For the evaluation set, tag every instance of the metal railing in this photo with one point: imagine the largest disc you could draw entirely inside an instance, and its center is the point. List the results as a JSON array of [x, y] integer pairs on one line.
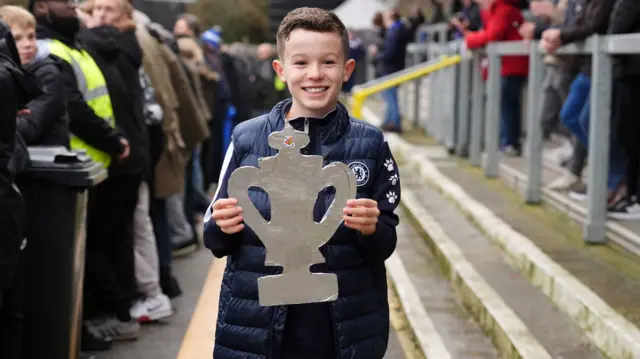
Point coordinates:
[[601, 48], [474, 125], [362, 92]]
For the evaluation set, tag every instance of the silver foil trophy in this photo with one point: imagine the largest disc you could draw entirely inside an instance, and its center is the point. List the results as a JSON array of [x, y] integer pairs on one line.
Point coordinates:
[[292, 238]]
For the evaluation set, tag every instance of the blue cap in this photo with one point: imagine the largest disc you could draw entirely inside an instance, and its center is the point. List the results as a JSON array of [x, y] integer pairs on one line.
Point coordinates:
[[212, 38]]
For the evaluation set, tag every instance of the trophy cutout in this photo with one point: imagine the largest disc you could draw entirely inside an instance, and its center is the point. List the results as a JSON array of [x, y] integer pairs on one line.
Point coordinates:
[[292, 238]]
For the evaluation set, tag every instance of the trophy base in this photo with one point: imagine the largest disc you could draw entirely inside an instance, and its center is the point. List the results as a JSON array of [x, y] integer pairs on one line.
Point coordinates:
[[297, 288]]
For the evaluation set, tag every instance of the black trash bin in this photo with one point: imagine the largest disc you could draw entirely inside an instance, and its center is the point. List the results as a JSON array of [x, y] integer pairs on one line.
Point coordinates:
[[55, 191]]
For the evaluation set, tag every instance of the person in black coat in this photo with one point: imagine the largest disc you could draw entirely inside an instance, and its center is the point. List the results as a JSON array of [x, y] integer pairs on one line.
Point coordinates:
[[110, 270], [17, 87]]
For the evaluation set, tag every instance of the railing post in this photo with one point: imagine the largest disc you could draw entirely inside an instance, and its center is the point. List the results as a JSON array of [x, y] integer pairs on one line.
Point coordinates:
[[449, 103], [416, 93], [477, 108], [492, 125], [404, 90], [463, 106], [534, 127], [431, 101], [600, 113]]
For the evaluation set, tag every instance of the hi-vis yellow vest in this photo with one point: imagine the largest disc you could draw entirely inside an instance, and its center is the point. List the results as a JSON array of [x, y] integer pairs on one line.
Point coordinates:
[[93, 87]]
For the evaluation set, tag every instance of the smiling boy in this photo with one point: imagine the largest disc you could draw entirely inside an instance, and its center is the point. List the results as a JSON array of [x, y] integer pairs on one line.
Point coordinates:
[[312, 46]]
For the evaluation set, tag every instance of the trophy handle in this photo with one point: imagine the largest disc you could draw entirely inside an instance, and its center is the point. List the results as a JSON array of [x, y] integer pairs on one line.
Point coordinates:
[[342, 178], [239, 182]]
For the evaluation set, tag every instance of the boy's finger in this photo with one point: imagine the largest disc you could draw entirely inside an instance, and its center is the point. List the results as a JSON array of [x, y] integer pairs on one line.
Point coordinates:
[[233, 230], [362, 211], [362, 202], [360, 220], [225, 223], [224, 202], [226, 212]]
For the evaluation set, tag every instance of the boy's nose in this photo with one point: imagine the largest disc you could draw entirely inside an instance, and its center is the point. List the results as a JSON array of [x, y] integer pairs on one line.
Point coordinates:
[[315, 72]]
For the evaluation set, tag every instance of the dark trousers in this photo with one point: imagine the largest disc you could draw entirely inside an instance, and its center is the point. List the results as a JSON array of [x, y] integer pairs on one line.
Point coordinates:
[[161, 230], [12, 314], [625, 108], [109, 274], [510, 110]]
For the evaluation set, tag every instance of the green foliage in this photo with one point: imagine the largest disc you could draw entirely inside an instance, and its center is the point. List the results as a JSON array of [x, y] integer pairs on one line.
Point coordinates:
[[239, 19]]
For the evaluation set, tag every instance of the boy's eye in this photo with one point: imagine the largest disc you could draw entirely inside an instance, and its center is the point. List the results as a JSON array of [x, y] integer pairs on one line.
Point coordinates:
[[329, 62], [299, 63]]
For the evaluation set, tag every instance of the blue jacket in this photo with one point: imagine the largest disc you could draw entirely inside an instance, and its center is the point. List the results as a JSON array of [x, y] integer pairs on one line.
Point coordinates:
[[358, 321], [394, 49]]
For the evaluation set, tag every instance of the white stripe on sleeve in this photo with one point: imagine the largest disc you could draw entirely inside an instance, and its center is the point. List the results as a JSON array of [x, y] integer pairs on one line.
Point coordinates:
[[223, 173]]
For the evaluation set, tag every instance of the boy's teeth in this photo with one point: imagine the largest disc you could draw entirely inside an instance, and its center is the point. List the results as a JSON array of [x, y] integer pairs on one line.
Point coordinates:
[[315, 89]]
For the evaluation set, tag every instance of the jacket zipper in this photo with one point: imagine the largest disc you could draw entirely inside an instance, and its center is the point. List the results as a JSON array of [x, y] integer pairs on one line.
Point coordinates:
[[316, 151]]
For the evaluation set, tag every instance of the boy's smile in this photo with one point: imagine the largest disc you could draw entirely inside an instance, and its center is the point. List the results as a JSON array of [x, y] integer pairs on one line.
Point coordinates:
[[314, 68]]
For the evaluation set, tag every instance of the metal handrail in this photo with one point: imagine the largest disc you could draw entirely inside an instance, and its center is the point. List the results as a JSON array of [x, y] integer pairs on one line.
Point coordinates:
[[361, 92]]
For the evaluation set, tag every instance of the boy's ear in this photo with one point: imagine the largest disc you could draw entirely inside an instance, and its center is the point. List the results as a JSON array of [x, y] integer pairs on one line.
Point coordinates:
[[348, 69], [279, 68]]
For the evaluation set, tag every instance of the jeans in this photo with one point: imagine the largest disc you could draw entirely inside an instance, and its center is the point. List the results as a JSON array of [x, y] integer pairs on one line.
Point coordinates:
[[510, 111], [392, 112], [575, 110], [575, 115]]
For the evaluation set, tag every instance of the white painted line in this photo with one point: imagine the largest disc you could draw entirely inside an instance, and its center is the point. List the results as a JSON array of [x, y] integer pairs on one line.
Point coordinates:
[[511, 327], [614, 335], [423, 328]]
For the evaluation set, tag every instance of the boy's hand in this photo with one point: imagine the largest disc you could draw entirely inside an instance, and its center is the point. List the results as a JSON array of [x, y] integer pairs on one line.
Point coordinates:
[[227, 215], [362, 215]]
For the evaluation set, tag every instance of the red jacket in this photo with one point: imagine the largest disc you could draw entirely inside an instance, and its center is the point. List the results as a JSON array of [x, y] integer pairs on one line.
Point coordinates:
[[501, 23]]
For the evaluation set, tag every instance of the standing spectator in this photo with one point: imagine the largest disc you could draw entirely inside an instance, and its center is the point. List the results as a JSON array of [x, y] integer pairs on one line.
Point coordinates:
[[625, 18], [167, 147], [575, 113], [393, 58], [16, 91], [502, 23], [556, 84], [110, 267]]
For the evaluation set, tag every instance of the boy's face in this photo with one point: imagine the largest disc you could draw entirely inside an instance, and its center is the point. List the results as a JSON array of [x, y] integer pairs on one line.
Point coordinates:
[[25, 38], [313, 66]]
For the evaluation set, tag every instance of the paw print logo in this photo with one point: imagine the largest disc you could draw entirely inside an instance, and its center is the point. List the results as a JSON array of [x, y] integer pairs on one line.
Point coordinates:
[[392, 197], [389, 164], [394, 179]]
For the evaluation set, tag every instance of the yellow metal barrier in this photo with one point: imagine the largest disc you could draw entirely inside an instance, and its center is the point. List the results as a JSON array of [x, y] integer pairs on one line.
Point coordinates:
[[360, 95]]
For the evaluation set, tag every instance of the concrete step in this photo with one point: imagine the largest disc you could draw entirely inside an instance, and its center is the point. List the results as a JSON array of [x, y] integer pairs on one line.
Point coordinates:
[[540, 320], [513, 173], [441, 325], [597, 287]]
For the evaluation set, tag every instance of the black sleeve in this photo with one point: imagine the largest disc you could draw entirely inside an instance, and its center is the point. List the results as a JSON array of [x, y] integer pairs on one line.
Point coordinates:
[[624, 17], [386, 191], [220, 243], [83, 122], [592, 20], [8, 92], [46, 109]]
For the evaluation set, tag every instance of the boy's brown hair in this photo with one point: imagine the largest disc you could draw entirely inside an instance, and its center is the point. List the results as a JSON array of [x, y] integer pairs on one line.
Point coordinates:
[[311, 19], [17, 16]]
